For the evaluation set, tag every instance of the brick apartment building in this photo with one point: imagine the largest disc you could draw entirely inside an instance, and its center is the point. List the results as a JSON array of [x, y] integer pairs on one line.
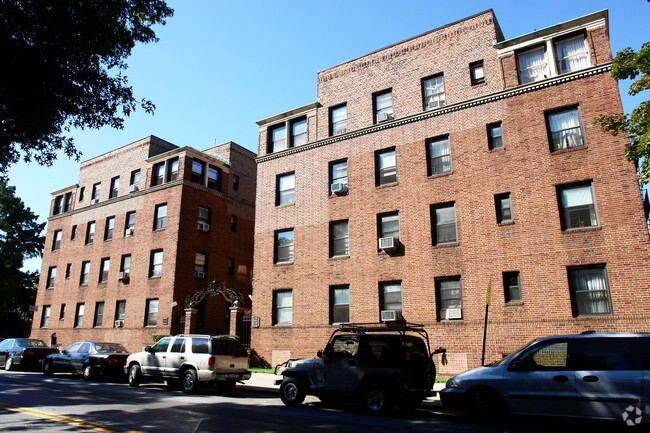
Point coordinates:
[[434, 166], [147, 225]]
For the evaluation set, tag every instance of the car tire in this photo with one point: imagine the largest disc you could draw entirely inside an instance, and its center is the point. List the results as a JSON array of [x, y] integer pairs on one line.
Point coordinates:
[[88, 372], [135, 375], [9, 364], [484, 406], [292, 391], [48, 368], [189, 381], [375, 399]]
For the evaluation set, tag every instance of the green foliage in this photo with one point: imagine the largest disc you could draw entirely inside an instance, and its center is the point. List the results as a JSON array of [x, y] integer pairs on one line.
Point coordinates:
[[20, 239], [157, 337], [629, 65], [62, 68]]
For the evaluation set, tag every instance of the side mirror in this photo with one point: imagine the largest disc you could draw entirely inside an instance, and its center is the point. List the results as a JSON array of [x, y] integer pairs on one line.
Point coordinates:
[[65, 352], [148, 349], [319, 354], [518, 365]]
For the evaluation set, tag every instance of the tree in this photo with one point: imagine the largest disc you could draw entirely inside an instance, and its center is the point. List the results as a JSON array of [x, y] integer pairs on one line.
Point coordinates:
[[629, 65], [20, 239], [62, 68]]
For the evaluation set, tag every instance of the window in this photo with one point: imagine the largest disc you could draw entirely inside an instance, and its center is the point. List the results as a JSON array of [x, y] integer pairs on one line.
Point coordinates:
[[155, 263], [200, 260], [204, 218], [443, 217], [214, 178], [231, 266], [57, 208], [160, 218], [110, 226], [338, 120], [433, 91], [129, 224], [233, 223], [339, 304], [564, 129], [385, 167], [62, 312], [158, 175], [383, 105], [120, 310], [134, 183], [79, 315], [94, 197], [172, 169], [68, 268], [282, 307], [115, 186], [511, 286], [388, 225], [125, 263], [235, 182], [82, 190], [532, 65], [547, 356], [45, 317], [104, 267], [90, 232], [51, 276], [339, 172], [298, 132], [73, 232], [56, 239], [589, 291], [285, 189], [391, 296], [339, 239], [151, 312], [85, 272], [198, 171], [571, 54], [476, 73], [450, 299], [277, 138], [577, 207], [439, 155], [284, 246], [99, 314], [178, 346], [495, 136], [503, 207]]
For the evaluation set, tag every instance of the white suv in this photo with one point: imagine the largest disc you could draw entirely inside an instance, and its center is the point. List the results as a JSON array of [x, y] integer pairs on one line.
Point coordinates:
[[191, 359]]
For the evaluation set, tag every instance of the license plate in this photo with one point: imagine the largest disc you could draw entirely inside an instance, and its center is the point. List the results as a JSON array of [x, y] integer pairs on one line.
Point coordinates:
[[232, 376]]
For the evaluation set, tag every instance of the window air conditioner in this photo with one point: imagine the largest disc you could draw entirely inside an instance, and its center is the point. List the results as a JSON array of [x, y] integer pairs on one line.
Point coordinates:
[[203, 227], [340, 130], [382, 117], [128, 232], [119, 323], [388, 244], [122, 275], [391, 315], [452, 313], [156, 273], [339, 188], [433, 104], [94, 201], [134, 188], [199, 274]]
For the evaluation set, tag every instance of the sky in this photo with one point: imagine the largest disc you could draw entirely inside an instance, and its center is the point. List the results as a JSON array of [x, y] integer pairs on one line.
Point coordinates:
[[220, 66]]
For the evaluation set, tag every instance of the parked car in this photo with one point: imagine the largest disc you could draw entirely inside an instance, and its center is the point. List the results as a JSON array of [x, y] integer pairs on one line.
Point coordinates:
[[591, 375], [191, 359], [88, 358], [25, 353], [378, 364]]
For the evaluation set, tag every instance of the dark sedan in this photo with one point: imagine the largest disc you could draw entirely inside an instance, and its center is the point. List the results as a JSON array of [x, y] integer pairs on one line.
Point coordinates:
[[88, 358], [25, 353]]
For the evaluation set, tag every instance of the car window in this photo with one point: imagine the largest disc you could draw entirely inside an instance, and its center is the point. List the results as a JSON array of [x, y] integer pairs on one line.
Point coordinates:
[[178, 345], [85, 348], [228, 346], [73, 348], [35, 343], [200, 345], [110, 348], [161, 346], [605, 354], [4, 343], [414, 348], [549, 355], [345, 347]]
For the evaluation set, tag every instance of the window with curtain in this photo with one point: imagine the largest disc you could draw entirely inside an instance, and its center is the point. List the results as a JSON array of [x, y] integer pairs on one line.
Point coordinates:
[[339, 239], [283, 307], [383, 106], [286, 188], [284, 246], [338, 120], [278, 138], [532, 65], [386, 167], [339, 172], [340, 304], [571, 54], [433, 90], [391, 295], [564, 129], [449, 295], [577, 206], [590, 291], [299, 132], [439, 153], [511, 286], [389, 225], [444, 216]]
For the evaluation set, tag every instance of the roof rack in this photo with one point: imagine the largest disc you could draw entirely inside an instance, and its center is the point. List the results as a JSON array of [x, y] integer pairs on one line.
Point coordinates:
[[380, 327]]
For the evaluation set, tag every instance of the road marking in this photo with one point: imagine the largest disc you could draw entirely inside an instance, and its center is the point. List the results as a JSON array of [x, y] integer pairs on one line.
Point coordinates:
[[65, 419]]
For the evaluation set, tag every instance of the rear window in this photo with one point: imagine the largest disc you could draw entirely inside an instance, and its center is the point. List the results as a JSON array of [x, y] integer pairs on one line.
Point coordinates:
[[228, 346], [200, 345], [110, 348], [608, 353], [29, 343]]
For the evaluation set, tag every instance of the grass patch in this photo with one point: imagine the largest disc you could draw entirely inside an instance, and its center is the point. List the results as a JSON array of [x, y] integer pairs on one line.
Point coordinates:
[[261, 370]]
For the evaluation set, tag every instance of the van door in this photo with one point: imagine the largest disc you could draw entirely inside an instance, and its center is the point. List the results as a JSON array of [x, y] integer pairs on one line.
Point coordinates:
[[609, 375], [539, 381]]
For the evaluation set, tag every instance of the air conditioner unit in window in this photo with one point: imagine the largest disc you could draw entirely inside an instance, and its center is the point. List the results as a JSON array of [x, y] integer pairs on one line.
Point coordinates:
[[119, 323], [339, 131], [128, 232], [433, 104], [451, 313], [94, 201], [134, 188], [382, 117], [388, 244], [203, 227], [156, 273], [339, 188], [122, 275], [391, 315], [199, 274]]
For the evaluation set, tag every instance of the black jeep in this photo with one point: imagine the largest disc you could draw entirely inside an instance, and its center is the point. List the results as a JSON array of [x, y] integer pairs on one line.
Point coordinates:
[[379, 364]]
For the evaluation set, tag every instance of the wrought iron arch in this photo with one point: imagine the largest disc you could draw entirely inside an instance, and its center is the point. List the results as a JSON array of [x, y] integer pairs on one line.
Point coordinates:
[[233, 297]]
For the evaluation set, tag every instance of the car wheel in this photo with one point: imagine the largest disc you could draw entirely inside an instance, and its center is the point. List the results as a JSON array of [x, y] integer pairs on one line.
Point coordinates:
[[292, 391], [48, 368], [135, 375], [9, 363], [375, 399], [484, 406], [88, 372], [190, 383]]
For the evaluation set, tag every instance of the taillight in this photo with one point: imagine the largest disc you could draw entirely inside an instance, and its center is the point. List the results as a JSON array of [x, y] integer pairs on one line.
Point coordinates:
[[26, 353], [112, 361], [211, 361]]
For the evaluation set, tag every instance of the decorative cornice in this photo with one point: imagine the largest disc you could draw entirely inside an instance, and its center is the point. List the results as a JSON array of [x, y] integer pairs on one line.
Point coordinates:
[[493, 97]]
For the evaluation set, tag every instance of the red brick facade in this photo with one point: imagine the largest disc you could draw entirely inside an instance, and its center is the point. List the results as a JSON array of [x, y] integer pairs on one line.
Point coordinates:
[[537, 244], [179, 240]]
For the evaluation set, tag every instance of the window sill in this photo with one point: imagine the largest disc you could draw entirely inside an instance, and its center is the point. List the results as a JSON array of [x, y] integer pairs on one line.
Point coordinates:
[[451, 321], [388, 185], [447, 245], [514, 304], [437, 175], [582, 229], [479, 84], [283, 325], [340, 257], [283, 264], [506, 223], [572, 149], [497, 149], [155, 277], [277, 206], [159, 230]]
